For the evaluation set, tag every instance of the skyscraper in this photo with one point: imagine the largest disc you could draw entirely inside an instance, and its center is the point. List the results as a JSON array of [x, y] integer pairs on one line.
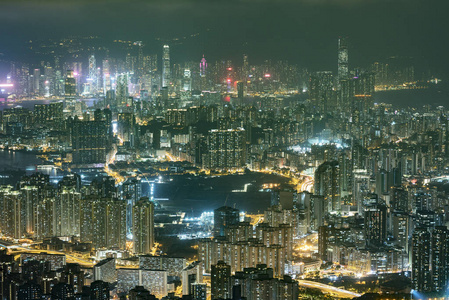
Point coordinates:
[[166, 74], [203, 67], [320, 91], [224, 217], [220, 280], [70, 86], [376, 225], [227, 148], [93, 74], [440, 258], [421, 248], [89, 141], [143, 226], [327, 184], [122, 89], [343, 60]]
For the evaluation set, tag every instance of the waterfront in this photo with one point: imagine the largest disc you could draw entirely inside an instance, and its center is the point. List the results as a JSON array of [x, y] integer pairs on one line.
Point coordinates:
[[29, 104]]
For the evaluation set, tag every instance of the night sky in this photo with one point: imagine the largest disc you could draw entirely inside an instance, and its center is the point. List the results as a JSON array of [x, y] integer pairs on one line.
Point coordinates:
[[301, 31]]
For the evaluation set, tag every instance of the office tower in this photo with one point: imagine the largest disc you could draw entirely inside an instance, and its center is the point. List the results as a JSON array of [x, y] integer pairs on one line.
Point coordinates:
[[327, 184], [227, 148], [220, 280], [89, 141], [203, 67], [187, 80], [375, 224], [143, 226], [166, 74], [70, 86], [30, 291], [223, 217], [421, 255], [240, 90], [92, 79], [343, 59], [440, 258], [105, 270], [320, 91], [121, 90], [36, 82], [106, 76]]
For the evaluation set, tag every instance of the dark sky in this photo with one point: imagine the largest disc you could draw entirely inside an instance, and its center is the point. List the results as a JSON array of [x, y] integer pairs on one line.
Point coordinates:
[[302, 31]]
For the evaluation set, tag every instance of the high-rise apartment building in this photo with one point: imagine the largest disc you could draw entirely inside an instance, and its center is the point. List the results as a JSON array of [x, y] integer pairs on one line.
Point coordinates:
[[143, 226]]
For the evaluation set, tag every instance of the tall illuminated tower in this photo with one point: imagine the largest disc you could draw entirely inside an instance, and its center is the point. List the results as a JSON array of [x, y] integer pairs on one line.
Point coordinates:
[[166, 76], [106, 76], [93, 73], [203, 67], [343, 60], [143, 226]]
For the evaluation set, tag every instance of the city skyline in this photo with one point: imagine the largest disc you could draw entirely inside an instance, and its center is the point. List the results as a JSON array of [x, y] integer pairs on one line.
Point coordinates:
[[239, 150], [303, 32]]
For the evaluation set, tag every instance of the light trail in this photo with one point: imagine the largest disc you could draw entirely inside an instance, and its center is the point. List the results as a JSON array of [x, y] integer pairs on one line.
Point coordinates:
[[340, 293]]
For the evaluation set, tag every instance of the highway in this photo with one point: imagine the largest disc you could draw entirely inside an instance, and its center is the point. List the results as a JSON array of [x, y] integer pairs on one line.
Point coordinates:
[[306, 184], [336, 292]]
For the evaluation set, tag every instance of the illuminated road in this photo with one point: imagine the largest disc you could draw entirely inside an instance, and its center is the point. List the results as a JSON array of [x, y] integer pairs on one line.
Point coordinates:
[[306, 185], [110, 160], [336, 292]]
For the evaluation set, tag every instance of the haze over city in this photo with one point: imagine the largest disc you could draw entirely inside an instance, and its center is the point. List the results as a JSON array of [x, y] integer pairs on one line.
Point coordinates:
[[224, 150]]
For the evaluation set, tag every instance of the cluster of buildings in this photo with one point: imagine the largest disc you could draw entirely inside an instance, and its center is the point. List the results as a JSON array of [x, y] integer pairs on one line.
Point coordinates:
[[370, 177], [95, 214]]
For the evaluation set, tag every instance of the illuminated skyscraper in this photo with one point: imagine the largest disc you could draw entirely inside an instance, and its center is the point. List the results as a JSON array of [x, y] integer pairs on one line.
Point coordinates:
[[421, 250], [227, 148], [93, 74], [122, 89], [203, 67], [106, 76], [327, 184], [343, 60], [89, 141], [376, 225], [70, 86], [320, 91], [220, 280], [440, 259], [68, 204], [166, 75], [143, 226]]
